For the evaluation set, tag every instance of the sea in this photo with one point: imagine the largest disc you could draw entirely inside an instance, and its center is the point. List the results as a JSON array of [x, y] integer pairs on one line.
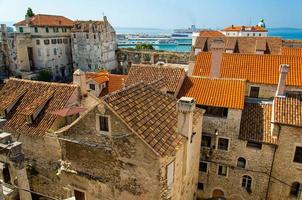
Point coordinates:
[[285, 33]]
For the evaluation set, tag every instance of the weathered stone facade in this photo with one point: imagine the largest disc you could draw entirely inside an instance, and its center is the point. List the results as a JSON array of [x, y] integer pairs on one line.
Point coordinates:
[[94, 45]]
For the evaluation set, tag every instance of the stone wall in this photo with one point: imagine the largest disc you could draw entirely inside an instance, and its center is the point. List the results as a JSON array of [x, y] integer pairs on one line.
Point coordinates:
[[258, 162], [285, 171], [127, 57]]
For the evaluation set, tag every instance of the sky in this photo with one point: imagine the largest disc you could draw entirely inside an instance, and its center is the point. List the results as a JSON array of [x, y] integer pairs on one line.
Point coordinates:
[[165, 14]]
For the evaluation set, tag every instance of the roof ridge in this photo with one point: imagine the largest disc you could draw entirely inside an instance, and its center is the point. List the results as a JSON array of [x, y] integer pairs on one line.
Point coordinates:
[[43, 82], [218, 78]]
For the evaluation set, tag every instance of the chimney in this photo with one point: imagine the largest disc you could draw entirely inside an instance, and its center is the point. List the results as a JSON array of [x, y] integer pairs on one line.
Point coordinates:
[[79, 78], [185, 108], [282, 77], [217, 48], [105, 18]]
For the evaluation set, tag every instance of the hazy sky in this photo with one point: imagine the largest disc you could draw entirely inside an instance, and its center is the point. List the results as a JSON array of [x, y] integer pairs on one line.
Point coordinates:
[[164, 13]]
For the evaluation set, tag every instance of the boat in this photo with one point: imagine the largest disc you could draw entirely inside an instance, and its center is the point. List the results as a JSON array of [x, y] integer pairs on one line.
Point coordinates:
[[184, 33]]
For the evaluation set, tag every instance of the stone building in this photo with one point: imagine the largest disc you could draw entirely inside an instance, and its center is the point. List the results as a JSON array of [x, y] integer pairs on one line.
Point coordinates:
[[94, 45], [41, 42], [4, 72]]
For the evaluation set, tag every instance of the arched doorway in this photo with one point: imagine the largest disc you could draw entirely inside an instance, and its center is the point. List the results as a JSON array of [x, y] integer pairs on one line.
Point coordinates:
[[218, 194]]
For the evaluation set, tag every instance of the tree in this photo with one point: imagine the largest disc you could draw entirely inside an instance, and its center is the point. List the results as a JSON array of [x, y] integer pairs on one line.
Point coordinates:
[[30, 13], [144, 47], [44, 75]]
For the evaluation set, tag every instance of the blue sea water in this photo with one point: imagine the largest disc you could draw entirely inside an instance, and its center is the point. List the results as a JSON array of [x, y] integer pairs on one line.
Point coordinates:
[[285, 33]]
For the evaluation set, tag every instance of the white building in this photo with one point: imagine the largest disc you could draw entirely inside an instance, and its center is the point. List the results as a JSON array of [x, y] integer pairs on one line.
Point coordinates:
[[246, 31], [94, 45], [42, 42]]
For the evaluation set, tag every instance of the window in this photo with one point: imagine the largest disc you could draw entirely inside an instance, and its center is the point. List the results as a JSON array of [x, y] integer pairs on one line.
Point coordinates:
[[21, 29], [36, 29], [222, 170], [87, 36], [64, 30], [170, 174], [215, 111], [241, 162], [259, 34], [200, 186], [254, 92], [104, 123], [46, 42], [246, 182], [248, 34], [255, 145], [65, 41], [203, 167], [55, 51], [254, 34], [46, 29], [206, 141], [53, 41], [79, 195], [92, 86], [37, 42], [74, 36], [223, 144], [47, 52], [56, 30], [60, 41], [295, 189], [298, 155]]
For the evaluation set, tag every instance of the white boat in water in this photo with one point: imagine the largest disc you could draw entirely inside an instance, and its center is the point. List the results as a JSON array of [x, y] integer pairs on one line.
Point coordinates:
[[184, 33]]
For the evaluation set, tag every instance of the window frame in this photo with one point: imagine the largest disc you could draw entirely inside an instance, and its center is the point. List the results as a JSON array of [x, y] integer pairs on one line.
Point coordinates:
[[238, 162], [36, 29], [207, 167], [254, 86], [46, 42], [206, 135], [21, 29], [200, 183], [47, 29], [297, 193], [98, 124], [227, 170], [38, 42], [170, 184], [294, 156], [224, 138], [247, 178], [253, 145]]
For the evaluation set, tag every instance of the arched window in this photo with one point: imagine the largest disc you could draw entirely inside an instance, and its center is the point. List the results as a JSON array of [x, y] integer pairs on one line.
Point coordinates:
[[295, 189], [241, 162], [247, 182]]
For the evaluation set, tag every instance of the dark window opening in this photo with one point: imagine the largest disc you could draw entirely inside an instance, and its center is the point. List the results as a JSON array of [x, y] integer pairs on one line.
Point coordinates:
[[203, 167], [241, 162], [246, 182], [215, 111], [295, 190], [37, 42], [87, 36], [92, 86], [223, 144], [60, 41], [46, 42], [21, 29], [6, 175], [36, 30], [254, 92], [298, 155], [104, 123], [200, 186], [206, 141], [46, 29], [79, 195], [53, 41], [255, 145], [74, 36], [222, 170], [65, 41]]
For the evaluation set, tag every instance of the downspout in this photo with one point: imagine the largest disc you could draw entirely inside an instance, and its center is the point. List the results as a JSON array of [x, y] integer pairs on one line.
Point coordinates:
[[271, 171]]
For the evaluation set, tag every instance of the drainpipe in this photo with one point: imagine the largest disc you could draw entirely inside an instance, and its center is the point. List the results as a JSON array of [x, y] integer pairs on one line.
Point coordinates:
[[273, 161]]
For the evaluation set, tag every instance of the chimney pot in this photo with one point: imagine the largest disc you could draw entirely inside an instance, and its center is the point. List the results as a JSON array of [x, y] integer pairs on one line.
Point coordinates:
[[185, 108]]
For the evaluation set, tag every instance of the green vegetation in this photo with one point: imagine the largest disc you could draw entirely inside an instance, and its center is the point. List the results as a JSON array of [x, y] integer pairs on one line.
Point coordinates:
[[144, 47], [44, 75], [30, 13]]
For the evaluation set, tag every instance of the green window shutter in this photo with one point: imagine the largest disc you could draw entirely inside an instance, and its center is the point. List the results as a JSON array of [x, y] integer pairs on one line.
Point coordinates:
[[36, 30], [21, 29], [47, 29]]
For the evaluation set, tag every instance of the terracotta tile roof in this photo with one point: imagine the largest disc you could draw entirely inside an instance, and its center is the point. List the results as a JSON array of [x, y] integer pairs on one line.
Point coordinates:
[[149, 73], [116, 82], [291, 51], [288, 110], [159, 84], [211, 33], [256, 123], [151, 114], [16, 122], [100, 77], [246, 45], [47, 20], [245, 28], [84, 26], [227, 93], [262, 69]]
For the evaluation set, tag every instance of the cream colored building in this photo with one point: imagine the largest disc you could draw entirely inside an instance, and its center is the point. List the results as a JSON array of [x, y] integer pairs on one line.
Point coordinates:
[[42, 42]]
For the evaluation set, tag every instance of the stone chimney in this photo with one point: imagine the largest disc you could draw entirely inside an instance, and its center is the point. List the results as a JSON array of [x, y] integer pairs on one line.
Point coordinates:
[[185, 109], [79, 78], [217, 49], [282, 77]]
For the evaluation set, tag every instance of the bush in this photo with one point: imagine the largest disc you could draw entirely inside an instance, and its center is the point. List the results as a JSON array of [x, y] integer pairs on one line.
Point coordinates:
[[44, 75], [144, 47]]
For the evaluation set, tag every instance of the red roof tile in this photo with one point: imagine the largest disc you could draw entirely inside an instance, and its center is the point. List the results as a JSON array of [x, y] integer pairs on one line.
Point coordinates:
[[245, 28], [291, 51], [47, 20]]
